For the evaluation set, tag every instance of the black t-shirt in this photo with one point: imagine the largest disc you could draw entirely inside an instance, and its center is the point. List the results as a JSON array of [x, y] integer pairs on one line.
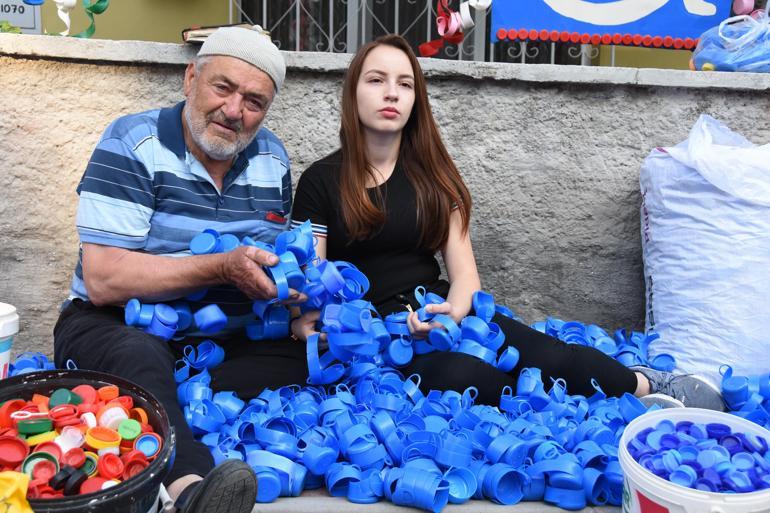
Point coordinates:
[[391, 259]]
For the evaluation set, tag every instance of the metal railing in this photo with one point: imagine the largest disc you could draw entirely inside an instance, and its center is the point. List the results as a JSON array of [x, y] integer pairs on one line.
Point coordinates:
[[344, 25]]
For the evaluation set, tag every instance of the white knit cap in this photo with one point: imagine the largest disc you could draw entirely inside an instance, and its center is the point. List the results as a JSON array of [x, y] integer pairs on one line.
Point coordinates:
[[250, 45]]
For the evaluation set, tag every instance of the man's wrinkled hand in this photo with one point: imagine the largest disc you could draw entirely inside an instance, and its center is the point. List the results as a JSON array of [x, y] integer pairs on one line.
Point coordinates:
[[242, 268]]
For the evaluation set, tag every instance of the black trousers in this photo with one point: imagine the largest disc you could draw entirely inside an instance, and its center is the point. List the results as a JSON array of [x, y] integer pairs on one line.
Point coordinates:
[[576, 364], [97, 338]]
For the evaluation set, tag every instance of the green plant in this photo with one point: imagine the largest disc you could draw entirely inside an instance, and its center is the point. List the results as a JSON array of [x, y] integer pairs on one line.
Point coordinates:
[[7, 27]]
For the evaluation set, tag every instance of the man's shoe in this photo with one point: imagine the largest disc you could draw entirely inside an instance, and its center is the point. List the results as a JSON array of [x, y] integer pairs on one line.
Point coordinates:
[[230, 487], [692, 391]]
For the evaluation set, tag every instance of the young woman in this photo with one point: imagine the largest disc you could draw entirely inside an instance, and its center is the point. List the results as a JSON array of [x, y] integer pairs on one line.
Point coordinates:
[[391, 197]]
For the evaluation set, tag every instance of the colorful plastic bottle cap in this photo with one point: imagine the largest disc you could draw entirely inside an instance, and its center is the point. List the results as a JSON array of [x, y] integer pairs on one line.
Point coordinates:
[[44, 470], [166, 315], [34, 426], [184, 314], [663, 362], [75, 457], [129, 429], [110, 466], [89, 466], [101, 437], [684, 475], [75, 481], [268, 484], [64, 396], [58, 481], [161, 330], [133, 468], [33, 459], [210, 319], [112, 415], [92, 485], [318, 459], [137, 314], [108, 392], [12, 450], [203, 244], [50, 447], [89, 419], [462, 484], [87, 393], [508, 360], [149, 444], [228, 242]]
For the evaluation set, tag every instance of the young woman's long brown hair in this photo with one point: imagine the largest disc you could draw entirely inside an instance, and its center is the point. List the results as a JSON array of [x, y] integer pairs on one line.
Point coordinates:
[[423, 156]]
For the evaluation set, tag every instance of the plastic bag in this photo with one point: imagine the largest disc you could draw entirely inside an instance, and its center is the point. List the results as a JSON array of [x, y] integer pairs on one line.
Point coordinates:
[[13, 492], [705, 220], [740, 43]]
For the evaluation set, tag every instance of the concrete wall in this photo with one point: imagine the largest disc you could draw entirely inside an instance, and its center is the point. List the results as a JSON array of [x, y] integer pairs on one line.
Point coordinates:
[[551, 155]]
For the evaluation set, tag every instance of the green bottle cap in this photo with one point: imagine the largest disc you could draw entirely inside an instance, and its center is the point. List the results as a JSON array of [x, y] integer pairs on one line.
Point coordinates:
[[34, 426], [129, 429]]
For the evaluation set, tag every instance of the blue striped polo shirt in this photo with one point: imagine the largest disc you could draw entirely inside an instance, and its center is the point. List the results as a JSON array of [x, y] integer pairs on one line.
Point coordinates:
[[144, 191]]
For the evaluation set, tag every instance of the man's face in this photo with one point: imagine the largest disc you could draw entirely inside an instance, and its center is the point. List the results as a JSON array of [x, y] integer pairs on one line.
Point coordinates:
[[227, 100]]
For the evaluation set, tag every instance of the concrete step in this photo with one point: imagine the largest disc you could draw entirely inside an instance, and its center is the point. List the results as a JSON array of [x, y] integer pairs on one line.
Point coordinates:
[[318, 501]]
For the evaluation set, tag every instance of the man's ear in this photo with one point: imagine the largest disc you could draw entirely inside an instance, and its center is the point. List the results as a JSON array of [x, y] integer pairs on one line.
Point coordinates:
[[189, 76]]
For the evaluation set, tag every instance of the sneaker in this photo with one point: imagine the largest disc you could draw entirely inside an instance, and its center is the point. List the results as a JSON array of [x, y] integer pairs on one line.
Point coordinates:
[[662, 400], [230, 487], [691, 391]]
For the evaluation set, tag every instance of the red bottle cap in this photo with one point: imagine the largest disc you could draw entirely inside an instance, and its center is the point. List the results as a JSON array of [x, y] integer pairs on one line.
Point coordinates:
[[12, 451], [134, 455], [133, 468], [63, 411], [92, 485], [75, 457], [110, 466], [87, 393], [44, 470], [126, 400], [51, 448], [9, 407]]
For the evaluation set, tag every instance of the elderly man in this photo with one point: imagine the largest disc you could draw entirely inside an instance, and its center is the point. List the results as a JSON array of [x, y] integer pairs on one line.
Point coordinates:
[[154, 180]]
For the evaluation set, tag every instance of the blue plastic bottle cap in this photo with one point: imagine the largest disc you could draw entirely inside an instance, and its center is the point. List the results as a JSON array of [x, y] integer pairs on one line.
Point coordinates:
[[203, 244], [210, 319], [319, 459], [268, 484], [161, 330], [147, 444], [34, 2], [133, 307], [166, 315], [228, 242], [663, 362], [462, 485], [184, 314], [400, 353], [684, 475]]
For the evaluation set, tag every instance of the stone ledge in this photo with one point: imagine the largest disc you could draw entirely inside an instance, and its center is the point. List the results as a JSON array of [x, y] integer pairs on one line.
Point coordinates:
[[316, 501], [143, 52]]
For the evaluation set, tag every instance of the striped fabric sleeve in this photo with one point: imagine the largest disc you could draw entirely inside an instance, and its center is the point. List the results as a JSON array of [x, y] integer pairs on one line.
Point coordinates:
[[116, 197]]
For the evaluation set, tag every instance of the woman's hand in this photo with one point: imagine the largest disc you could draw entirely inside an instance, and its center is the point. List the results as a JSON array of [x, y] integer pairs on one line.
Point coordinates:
[[304, 326], [421, 329]]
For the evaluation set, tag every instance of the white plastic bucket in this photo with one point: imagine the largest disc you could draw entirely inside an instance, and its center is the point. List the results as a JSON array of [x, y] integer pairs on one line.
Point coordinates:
[[644, 492], [9, 327]]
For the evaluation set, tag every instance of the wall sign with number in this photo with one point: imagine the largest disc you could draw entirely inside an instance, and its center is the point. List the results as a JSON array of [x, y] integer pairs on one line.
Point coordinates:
[[19, 14], [658, 23]]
